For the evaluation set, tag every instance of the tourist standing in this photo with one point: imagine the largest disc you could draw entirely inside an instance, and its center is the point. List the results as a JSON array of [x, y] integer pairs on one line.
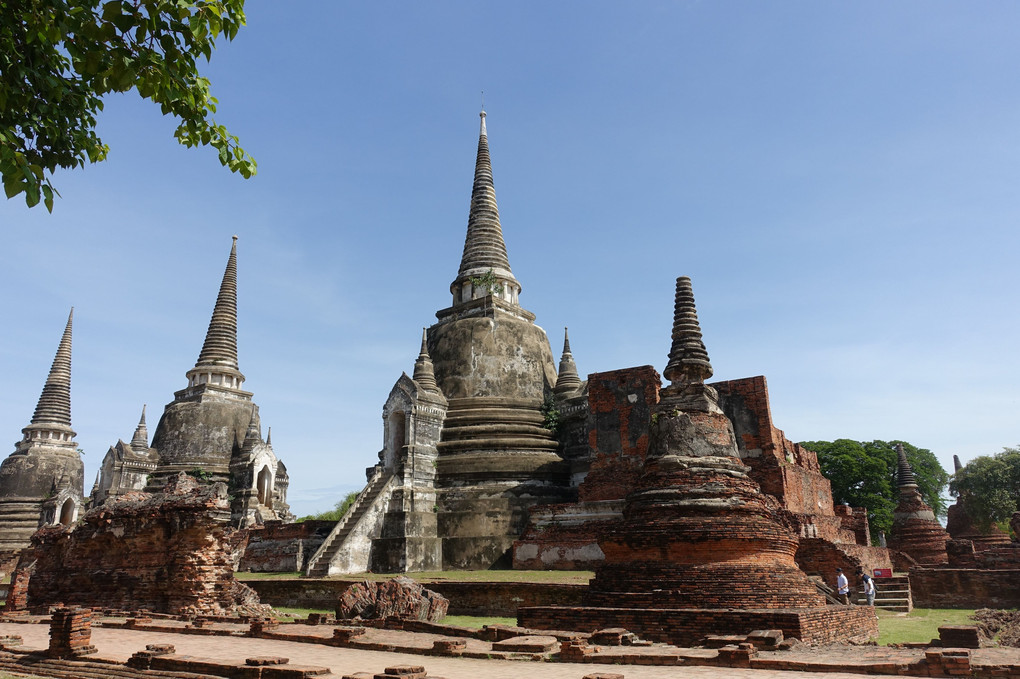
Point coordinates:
[[869, 588], [842, 587]]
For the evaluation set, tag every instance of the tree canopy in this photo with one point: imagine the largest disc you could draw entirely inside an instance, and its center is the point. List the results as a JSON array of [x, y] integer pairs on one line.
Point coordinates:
[[990, 487], [59, 57], [339, 510], [863, 474]]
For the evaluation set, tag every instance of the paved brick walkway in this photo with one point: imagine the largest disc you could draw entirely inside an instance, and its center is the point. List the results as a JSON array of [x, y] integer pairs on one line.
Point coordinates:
[[121, 643]]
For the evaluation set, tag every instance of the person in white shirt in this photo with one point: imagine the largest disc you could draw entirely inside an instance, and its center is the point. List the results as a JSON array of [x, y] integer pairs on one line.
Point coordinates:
[[842, 587]]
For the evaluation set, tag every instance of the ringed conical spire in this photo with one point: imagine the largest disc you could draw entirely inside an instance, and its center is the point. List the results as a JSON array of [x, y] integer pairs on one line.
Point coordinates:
[[424, 373], [905, 473], [688, 358], [140, 441], [567, 379], [220, 347], [484, 265], [54, 407], [217, 362]]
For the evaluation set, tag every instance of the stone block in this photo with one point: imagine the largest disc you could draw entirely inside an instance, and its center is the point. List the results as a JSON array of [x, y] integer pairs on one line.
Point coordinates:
[[400, 597], [449, 645], [768, 639]]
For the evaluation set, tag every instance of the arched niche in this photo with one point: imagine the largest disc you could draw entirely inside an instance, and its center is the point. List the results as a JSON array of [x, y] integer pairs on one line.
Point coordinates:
[[67, 512]]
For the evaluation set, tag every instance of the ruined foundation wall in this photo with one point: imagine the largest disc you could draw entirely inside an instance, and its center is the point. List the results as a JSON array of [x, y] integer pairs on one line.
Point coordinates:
[[466, 598], [283, 547], [170, 553], [685, 627], [965, 588], [781, 467]]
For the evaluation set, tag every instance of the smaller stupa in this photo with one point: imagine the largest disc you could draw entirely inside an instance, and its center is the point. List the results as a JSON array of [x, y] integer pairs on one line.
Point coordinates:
[[701, 549], [960, 526], [42, 481], [698, 532], [915, 531]]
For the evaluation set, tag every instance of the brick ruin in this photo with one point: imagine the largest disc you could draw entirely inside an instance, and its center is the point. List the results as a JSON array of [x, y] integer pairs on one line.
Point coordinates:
[[278, 547], [171, 552], [917, 538], [960, 526], [697, 534]]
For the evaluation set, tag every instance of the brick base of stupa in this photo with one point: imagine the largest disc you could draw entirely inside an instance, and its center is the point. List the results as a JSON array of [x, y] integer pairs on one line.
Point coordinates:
[[689, 626]]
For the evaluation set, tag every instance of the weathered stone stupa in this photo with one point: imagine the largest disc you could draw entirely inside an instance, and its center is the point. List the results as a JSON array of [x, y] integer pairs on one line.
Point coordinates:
[[915, 531], [700, 550], [210, 430], [495, 367], [42, 481], [464, 439]]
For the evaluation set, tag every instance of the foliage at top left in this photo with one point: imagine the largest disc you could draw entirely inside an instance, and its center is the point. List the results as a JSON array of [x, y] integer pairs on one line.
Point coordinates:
[[58, 59]]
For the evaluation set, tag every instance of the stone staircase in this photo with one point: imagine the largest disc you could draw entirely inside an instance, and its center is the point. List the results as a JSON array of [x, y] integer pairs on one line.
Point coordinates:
[[892, 594], [318, 565]]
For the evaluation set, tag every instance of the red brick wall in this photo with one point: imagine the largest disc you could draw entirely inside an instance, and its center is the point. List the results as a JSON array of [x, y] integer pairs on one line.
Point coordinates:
[[965, 588], [823, 557], [781, 467], [685, 627], [620, 412]]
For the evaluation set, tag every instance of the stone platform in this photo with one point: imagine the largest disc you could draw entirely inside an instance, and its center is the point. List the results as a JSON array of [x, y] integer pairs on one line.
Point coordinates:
[[689, 626]]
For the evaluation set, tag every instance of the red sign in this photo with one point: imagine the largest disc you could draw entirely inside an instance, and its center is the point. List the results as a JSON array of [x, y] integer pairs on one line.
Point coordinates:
[[883, 572]]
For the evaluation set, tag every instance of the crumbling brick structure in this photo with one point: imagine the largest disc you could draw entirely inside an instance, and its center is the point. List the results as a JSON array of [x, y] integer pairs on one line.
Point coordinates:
[[565, 536], [70, 633], [698, 535], [915, 531], [169, 552]]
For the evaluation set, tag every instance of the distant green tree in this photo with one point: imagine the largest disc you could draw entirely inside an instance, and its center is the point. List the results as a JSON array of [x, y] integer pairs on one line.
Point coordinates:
[[58, 58], [335, 514], [990, 486], [863, 474]]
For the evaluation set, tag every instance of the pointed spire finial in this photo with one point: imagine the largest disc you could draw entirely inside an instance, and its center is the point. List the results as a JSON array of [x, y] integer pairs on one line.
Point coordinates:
[[956, 463], [484, 249], [688, 358], [567, 379], [140, 441], [54, 406], [254, 434], [905, 473], [219, 351], [424, 373], [220, 347], [269, 437]]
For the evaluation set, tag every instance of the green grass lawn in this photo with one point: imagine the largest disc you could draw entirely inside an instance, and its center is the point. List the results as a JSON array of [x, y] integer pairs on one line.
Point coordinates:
[[921, 624]]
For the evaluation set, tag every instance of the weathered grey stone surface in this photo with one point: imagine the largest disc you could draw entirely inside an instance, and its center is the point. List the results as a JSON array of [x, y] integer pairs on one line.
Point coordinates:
[[212, 427], [42, 481]]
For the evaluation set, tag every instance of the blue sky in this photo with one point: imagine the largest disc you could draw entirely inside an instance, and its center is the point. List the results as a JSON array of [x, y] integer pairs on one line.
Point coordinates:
[[838, 179]]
